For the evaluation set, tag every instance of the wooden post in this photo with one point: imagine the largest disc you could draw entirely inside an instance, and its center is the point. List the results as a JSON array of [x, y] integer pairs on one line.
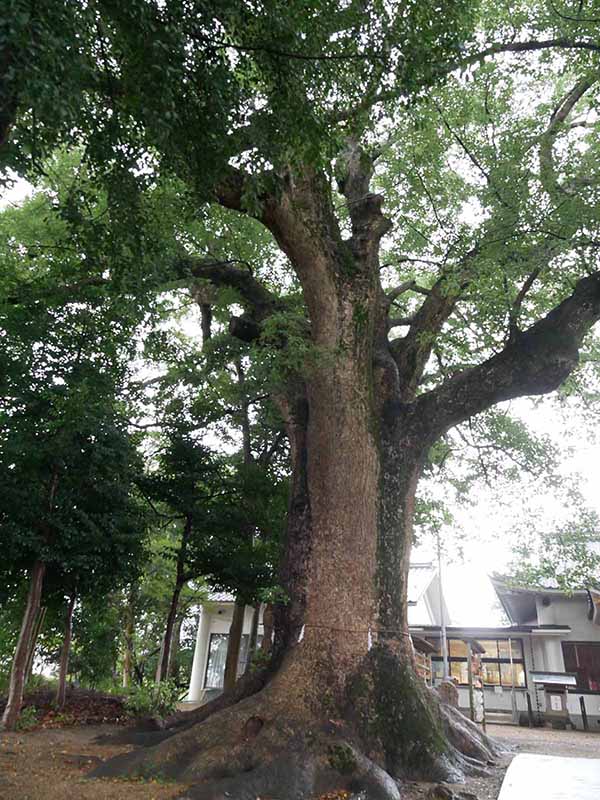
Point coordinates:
[[584, 716], [470, 671]]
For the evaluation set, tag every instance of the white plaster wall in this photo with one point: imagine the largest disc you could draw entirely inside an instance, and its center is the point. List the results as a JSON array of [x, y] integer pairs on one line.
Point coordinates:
[[214, 618]]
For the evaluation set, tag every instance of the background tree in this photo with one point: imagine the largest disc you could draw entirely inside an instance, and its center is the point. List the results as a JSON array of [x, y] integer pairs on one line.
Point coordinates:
[[66, 459]]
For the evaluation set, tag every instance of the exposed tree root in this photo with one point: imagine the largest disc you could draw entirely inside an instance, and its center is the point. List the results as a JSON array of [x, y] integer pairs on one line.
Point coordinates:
[[251, 750], [277, 743], [467, 738]]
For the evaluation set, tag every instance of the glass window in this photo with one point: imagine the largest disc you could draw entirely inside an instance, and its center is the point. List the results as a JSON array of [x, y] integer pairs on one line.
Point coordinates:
[[460, 671], [490, 646], [518, 674], [495, 662], [217, 653], [504, 650], [584, 659], [490, 672], [458, 648], [437, 670]]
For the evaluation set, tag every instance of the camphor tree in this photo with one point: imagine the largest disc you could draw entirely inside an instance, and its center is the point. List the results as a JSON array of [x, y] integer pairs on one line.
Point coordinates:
[[428, 175]]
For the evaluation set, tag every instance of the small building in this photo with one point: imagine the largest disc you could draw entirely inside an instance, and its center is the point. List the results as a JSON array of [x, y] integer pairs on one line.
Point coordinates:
[[549, 631]]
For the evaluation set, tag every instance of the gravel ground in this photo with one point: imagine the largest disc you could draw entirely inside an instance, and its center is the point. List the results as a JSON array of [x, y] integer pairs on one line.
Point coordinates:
[[547, 741]]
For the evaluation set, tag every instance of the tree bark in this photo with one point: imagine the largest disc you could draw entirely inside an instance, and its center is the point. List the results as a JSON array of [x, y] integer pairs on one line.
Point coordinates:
[[19, 665], [61, 691], [174, 665], [164, 659], [287, 617], [128, 642], [162, 669], [233, 646], [39, 621]]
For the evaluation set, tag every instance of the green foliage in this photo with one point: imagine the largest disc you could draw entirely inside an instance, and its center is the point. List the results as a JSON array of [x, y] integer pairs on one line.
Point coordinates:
[[566, 557], [139, 75], [28, 719], [151, 699], [96, 634]]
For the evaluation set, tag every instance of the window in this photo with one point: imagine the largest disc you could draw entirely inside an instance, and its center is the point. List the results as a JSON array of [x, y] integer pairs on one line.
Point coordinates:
[[495, 662], [583, 659], [217, 655]]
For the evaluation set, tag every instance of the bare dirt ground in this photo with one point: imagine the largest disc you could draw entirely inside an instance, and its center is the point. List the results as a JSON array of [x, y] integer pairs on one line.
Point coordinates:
[[53, 764]]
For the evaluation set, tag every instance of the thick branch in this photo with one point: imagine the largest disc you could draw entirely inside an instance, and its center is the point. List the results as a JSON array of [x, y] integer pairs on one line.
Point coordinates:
[[535, 362], [256, 299], [412, 352], [548, 173], [534, 45], [515, 309], [407, 286], [385, 95]]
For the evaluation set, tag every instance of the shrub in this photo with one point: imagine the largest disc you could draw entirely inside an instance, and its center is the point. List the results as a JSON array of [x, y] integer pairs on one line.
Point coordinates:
[[28, 719], [151, 699]]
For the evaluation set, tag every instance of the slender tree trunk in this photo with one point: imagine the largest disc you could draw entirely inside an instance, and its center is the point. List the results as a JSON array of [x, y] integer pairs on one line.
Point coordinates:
[[39, 621], [253, 637], [288, 616], [162, 669], [61, 691], [175, 649], [128, 643], [19, 665], [233, 647]]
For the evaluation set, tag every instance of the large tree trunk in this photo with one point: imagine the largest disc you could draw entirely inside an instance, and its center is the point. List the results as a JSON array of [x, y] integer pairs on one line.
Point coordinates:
[[65, 652], [343, 707], [19, 665]]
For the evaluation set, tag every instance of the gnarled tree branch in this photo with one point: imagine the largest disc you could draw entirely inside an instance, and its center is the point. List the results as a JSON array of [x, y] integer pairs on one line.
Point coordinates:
[[257, 300], [535, 362]]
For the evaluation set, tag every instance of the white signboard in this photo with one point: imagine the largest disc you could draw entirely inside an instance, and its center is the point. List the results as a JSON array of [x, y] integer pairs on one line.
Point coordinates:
[[555, 702]]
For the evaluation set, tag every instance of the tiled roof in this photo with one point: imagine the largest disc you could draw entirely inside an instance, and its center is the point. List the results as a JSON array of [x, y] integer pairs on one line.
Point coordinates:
[[221, 597]]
